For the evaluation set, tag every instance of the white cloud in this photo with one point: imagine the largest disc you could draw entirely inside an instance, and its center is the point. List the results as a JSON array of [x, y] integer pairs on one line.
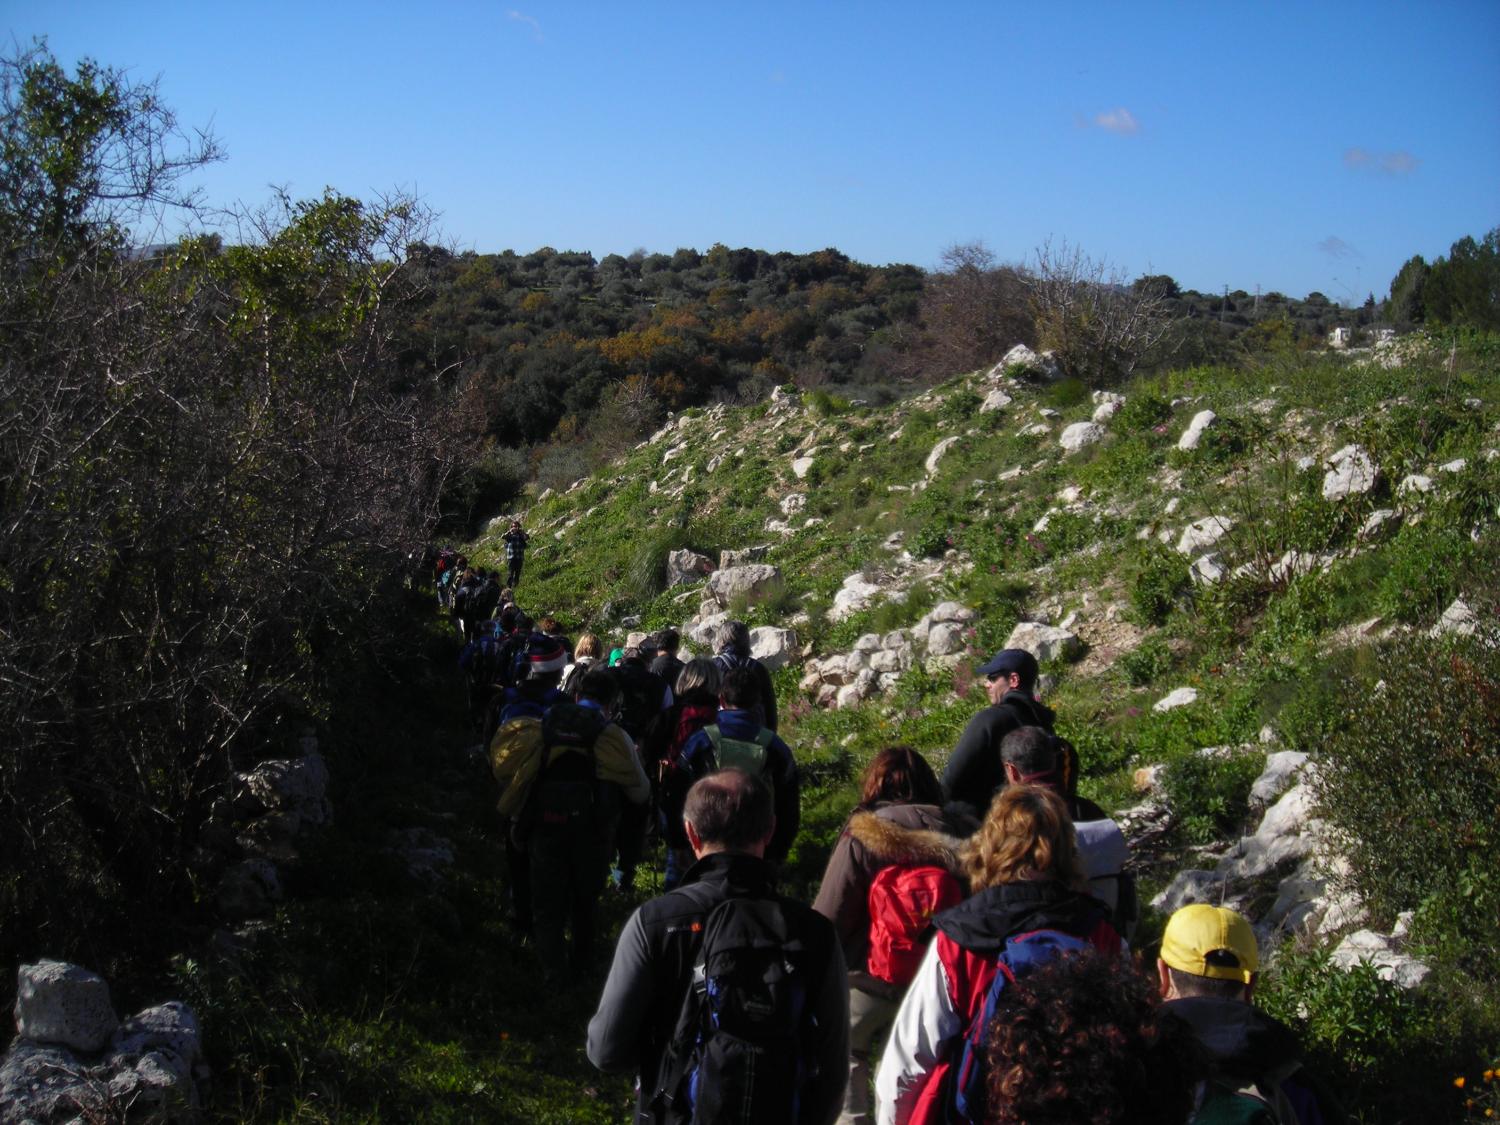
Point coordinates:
[[1398, 163], [530, 21], [1119, 120], [1337, 249]]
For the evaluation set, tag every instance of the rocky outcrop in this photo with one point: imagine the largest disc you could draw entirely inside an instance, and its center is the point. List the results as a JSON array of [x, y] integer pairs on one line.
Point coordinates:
[[1080, 435], [684, 567], [74, 1060], [938, 641], [750, 582], [1351, 472], [1196, 429]]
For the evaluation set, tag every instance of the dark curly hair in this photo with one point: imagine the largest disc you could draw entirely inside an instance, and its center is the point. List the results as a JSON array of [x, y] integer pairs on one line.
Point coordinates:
[[899, 775], [1086, 1039]]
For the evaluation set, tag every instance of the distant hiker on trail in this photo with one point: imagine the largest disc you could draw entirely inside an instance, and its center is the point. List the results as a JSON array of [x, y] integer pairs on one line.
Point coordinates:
[[1086, 1038], [737, 738], [563, 781], [894, 866], [731, 651], [515, 553], [974, 770], [1207, 972], [695, 706], [774, 1048], [1029, 902]]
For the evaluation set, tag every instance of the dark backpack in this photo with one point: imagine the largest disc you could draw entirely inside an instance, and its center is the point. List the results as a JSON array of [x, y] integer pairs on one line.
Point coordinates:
[[1020, 954], [903, 898], [565, 789], [739, 1051], [1230, 1100]]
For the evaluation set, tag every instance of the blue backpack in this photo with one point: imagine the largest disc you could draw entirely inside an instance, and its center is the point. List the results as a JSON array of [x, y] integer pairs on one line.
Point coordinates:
[[1020, 954]]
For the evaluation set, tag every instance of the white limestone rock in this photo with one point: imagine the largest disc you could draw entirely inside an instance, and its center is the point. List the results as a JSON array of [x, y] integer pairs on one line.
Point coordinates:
[[685, 567], [1202, 534], [792, 503], [1207, 570], [64, 1005], [1178, 697], [40, 1083], [1106, 405], [1045, 642], [1458, 619], [995, 400], [1196, 429], [1351, 472], [1457, 465], [753, 581], [1378, 522], [292, 785], [1022, 362], [1414, 484], [1382, 952], [945, 638], [1279, 775], [772, 646], [938, 450], [743, 556], [855, 594], [801, 467], [1080, 435]]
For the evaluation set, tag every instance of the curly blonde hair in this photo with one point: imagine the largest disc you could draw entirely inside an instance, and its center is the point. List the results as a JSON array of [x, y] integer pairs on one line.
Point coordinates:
[[1027, 834]]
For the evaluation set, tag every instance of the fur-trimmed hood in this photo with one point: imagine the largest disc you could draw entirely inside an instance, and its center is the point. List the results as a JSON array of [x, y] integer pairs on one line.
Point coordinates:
[[907, 834]]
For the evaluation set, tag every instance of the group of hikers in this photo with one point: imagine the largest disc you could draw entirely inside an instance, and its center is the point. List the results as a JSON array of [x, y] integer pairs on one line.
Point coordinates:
[[966, 957]]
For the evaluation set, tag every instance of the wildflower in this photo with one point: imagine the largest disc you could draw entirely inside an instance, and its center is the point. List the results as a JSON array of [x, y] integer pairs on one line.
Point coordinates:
[[1489, 1075], [1459, 1081]]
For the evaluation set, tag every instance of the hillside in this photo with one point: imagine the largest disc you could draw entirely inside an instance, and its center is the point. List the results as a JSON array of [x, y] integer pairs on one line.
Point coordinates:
[[1202, 608]]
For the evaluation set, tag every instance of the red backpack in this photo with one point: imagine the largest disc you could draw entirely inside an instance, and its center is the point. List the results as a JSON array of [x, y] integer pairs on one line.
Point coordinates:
[[903, 899]]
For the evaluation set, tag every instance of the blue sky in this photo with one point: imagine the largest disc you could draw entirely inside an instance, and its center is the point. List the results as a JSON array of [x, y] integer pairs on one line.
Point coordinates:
[[1298, 147]]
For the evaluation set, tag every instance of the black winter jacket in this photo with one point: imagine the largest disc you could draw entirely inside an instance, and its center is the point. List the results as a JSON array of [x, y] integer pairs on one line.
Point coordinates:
[[974, 770], [653, 966]]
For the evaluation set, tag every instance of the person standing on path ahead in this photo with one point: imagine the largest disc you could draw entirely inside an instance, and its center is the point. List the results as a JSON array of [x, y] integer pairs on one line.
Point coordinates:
[[974, 770], [644, 1012], [515, 552]]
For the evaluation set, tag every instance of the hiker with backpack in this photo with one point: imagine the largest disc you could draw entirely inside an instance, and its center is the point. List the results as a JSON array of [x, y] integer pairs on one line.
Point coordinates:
[[695, 705], [894, 866], [974, 772], [666, 663], [1029, 903], [731, 651], [564, 779], [588, 650], [1086, 1037], [1207, 972], [725, 999], [645, 699], [535, 691], [738, 738], [1031, 756], [480, 662]]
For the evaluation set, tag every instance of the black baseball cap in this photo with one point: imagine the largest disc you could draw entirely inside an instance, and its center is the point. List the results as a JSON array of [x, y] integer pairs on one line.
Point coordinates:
[[1009, 660]]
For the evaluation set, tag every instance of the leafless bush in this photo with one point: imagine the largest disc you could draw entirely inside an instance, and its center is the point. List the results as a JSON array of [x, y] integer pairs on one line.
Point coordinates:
[[1099, 327]]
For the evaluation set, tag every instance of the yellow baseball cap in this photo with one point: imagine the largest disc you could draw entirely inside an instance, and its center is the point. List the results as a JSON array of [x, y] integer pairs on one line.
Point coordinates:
[[1211, 941]]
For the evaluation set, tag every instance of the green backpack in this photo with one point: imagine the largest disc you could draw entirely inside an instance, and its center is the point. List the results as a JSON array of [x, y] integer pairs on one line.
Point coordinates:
[[1229, 1100], [736, 753]]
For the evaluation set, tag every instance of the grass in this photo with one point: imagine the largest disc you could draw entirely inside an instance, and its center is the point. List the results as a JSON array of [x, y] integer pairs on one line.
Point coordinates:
[[377, 997]]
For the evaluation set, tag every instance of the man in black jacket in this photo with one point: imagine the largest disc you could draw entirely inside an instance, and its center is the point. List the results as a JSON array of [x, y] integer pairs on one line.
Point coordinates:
[[729, 820], [975, 769]]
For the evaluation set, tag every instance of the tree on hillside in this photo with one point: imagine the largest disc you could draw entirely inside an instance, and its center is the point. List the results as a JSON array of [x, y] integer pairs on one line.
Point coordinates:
[[973, 310], [1463, 290], [204, 474]]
